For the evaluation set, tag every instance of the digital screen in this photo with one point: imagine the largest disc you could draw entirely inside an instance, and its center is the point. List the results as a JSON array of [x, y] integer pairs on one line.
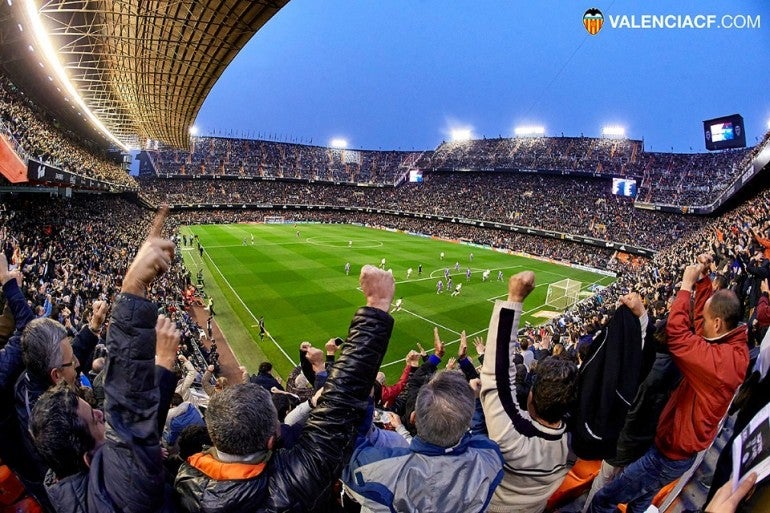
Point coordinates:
[[624, 187], [415, 176], [725, 132], [722, 132]]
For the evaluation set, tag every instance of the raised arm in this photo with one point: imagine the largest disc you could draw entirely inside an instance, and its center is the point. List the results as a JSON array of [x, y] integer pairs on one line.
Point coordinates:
[[131, 458], [498, 373], [307, 471], [11, 364]]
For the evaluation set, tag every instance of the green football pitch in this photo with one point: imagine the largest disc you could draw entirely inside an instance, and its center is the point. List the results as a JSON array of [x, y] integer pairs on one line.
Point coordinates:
[[295, 277]]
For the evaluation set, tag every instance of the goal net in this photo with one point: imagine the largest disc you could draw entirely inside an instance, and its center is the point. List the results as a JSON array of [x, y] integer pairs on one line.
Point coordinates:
[[275, 219], [563, 294]]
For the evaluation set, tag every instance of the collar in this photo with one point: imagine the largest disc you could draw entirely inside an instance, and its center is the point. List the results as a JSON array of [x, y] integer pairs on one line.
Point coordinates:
[[419, 445]]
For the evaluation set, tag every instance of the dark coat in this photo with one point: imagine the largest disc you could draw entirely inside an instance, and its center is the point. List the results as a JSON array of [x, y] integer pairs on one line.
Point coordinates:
[[607, 384]]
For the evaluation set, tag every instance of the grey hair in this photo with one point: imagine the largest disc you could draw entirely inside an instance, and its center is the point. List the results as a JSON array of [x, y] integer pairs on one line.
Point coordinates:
[[41, 348], [444, 409], [241, 419]]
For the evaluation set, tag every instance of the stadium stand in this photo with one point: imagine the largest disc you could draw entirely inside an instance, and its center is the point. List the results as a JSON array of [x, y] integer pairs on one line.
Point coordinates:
[[34, 136], [268, 159]]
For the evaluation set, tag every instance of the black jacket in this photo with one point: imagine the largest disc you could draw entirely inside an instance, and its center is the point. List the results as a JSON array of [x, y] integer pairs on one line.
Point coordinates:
[[300, 478], [126, 472], [607, 384]]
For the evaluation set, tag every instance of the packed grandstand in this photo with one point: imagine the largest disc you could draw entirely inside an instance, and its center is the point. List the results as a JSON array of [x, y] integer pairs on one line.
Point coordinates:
[[74, 223]]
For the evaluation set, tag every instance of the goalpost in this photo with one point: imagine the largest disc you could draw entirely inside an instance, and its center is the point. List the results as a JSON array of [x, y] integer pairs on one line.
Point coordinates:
[[275, 220], [563, 294]]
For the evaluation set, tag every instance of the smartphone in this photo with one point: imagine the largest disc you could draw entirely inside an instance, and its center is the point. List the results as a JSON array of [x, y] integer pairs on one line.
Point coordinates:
[[381, 416], [339, 341]]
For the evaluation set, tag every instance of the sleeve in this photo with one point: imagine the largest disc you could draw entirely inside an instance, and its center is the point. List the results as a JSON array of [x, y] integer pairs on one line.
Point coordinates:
[[389, 393], [22, 313], [166, 381], [505, 423], [11, 364], [308, 470], [307, 367], [298, 415], [83, 347], [189, 377], [206, 382], [466, 365], [702, 293], [692, 354], [763, 310], [132, 468]]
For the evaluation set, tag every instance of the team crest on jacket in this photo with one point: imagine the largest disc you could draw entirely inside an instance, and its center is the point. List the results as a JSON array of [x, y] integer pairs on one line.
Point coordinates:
[[593, 19]]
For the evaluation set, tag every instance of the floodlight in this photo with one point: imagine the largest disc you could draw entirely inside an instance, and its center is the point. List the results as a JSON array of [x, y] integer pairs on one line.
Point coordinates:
[[41, 37], [461, 134], [529, 131], [338, 143], [194, 130], [614, 131], [768, 124]]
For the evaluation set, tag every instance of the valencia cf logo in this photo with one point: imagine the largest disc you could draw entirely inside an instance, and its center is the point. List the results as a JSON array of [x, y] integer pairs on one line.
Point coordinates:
[[593, 20]]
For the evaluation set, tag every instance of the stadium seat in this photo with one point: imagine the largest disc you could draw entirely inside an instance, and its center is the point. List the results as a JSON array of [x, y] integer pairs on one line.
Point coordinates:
[[575, 484], [25, 505], [11, 487]]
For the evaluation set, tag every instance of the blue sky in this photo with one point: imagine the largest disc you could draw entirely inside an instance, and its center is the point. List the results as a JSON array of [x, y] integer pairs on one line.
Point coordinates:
[[399, 74]]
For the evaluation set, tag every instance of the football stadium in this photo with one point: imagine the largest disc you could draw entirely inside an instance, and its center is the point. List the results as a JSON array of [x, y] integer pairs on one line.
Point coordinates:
[[273, 256]]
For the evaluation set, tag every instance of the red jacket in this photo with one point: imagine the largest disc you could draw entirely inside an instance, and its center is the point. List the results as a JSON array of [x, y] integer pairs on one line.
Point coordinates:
[[712, 372], [389, 393], [763, 311]]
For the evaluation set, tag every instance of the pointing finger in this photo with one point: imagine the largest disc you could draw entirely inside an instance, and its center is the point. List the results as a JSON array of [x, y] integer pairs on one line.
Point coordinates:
[[160, 219]]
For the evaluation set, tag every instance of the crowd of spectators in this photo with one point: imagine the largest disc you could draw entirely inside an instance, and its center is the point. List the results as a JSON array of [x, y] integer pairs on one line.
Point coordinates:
[[689, 179], [267, 159], [36, 136], [74, 257], [586, 154], [565, 204], [668, 178]]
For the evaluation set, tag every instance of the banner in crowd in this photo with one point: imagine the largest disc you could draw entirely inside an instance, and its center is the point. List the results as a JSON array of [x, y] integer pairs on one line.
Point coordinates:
[[38, 172]]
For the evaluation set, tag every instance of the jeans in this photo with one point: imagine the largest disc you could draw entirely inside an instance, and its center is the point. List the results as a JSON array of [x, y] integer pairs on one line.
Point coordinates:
[[639, 483]]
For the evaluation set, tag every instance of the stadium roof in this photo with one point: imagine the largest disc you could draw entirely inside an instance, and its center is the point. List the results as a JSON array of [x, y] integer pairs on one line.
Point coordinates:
[[143, 68]]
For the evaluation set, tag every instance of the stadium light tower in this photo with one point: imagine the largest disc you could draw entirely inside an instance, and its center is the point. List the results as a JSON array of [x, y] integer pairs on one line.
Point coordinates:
[[52, 59], [461, 134], [614, 131], [529, 131], [338, 143]]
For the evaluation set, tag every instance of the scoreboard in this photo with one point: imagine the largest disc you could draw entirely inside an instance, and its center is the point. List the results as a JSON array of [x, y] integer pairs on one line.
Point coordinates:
[[724, 132]]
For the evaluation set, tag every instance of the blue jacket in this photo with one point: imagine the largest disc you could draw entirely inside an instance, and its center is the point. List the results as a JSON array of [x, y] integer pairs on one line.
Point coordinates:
[[189, 416], [11, 365], [126, 473], [425, 477]]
